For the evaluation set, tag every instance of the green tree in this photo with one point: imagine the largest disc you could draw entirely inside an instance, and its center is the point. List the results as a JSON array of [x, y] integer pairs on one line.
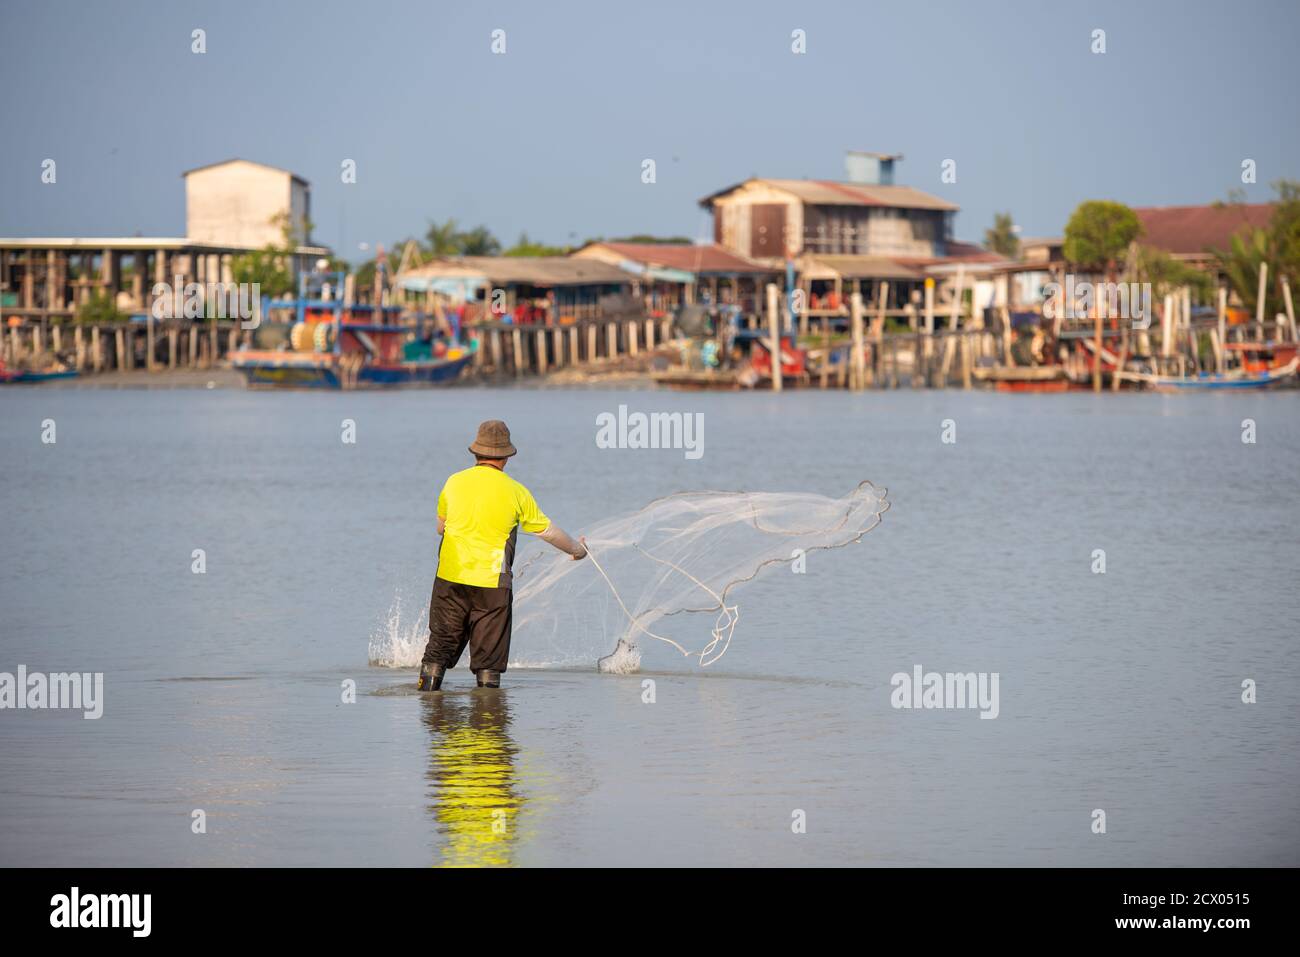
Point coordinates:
[[646, 239], [100, 309], [1277, 244], [271, 267], [1240, 266], [526, 247], [442, 239], [1002, 238], [1285, 226], [1099, 233], [478, 242], [1167, 274]]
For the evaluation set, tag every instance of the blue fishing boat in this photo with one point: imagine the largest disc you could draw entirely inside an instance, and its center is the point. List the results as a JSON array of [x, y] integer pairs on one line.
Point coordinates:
[[1236, 379], [330, 344], [16, 377]]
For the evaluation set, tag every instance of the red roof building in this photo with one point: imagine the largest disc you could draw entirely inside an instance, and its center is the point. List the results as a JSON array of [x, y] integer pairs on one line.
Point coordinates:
[[1194, 232]]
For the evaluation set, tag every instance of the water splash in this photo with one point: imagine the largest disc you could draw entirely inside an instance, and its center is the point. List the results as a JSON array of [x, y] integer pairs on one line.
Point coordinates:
[[625, 659], [396, 643]]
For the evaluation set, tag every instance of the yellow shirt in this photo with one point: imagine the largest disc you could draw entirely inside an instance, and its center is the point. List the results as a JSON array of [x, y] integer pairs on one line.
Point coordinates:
[[484, 509]]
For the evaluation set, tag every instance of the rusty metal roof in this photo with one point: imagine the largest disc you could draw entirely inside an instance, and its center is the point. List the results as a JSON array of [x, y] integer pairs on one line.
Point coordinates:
[[1194, 230]]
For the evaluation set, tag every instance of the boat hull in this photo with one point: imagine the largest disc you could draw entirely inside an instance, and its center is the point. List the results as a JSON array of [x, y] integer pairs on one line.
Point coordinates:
[[311, 371], [19, 378]]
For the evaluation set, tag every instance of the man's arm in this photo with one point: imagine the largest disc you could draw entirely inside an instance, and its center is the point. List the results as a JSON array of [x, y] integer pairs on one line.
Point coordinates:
[[554, 535]]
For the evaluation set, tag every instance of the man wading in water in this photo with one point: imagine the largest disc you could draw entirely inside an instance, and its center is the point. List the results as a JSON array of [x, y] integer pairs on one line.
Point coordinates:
[[480, 512]]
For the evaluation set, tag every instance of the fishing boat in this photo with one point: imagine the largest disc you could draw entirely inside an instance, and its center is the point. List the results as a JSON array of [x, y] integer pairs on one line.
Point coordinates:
[[1236, 379], [22, 376], [1004, 378], [333, 344], [1263, 365]]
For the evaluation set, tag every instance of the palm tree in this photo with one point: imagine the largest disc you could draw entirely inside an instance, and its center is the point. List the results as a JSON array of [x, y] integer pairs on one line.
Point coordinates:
[[1002, 238], [442, 238]]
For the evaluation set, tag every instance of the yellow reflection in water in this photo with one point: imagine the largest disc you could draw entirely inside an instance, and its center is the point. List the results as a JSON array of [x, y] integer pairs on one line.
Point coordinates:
[[472, 770]]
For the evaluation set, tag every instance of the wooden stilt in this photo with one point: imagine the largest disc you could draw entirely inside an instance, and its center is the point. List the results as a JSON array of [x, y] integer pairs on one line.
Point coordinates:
[[774, 331]]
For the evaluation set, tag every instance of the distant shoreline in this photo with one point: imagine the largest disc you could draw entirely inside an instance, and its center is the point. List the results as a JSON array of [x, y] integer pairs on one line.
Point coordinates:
[[168, 379]]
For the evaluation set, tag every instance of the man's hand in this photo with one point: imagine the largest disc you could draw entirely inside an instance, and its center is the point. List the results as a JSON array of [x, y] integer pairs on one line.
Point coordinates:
[[582, 540]]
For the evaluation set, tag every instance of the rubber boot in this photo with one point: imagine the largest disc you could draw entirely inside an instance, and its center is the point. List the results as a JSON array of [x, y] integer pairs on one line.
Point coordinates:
[[430, 677], [487, 678]]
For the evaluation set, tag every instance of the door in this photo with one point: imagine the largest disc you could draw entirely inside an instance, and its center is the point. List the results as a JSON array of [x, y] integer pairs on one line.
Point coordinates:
[[767, 231]]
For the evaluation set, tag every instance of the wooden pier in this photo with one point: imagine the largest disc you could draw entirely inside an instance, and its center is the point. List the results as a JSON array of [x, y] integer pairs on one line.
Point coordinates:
[[124, 346], [510, 351]]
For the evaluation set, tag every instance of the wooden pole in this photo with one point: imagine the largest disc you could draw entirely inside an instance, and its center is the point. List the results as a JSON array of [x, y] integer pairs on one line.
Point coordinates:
[[1217, 345], [929, 306], [1166, 328], [1223, 325], [96, 349], [172, 343], [1096, 361], [878, 336], [1259, 299], [1290, 309], [591, 341], [955, 318], [1123, 358], [774, 330], [967, 361], [516, 340], [541, 352], [858, 374]]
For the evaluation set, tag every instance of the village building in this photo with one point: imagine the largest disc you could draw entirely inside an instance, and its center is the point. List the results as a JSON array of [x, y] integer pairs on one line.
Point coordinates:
[[521, 289], [857, 232], [232, 208], [1192, 234], [668, 275]]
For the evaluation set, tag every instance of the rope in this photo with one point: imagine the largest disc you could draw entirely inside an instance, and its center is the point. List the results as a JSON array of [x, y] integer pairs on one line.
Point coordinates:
[[722, 627]]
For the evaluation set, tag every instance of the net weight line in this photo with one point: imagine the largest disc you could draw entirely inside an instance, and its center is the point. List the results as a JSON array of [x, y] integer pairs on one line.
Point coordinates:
[[723, 627]]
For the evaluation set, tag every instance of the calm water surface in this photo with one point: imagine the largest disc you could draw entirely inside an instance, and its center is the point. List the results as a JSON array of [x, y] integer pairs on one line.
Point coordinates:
[[223, 691]]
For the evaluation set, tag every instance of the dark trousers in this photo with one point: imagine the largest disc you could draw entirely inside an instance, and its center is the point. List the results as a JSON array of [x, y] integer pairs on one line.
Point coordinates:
[[461, 615]]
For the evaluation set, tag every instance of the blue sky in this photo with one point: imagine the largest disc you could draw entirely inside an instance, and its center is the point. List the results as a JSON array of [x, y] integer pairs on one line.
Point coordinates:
[[550, 137]]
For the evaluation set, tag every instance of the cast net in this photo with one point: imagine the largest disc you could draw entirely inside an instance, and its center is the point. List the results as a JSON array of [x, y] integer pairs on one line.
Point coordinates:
[[670, 574]]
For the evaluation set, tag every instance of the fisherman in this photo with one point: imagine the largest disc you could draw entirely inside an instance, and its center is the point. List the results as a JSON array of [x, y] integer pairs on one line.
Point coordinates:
[[480, 513]]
